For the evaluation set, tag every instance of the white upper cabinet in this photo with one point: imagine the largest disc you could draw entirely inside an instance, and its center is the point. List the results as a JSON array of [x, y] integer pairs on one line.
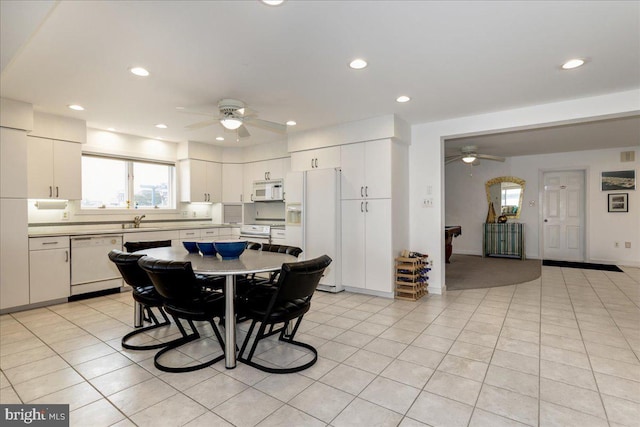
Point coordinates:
[[13, 163], [322, 158], [366, 170], [268, 169], [200, 181], [232, 182], [54, 169]]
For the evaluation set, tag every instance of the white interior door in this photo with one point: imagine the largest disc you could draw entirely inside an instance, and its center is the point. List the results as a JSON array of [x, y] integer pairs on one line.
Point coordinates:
[[563, 216]]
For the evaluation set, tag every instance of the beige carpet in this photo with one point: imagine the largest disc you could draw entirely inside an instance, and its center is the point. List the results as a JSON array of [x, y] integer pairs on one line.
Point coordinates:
[[474, 272]]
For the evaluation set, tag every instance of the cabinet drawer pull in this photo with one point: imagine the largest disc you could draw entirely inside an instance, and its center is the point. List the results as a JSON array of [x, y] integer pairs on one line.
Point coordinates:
[[361, 191], [311, 163], [50, 243], [366, 206], [361, 206], [316, 163], [50, 191], [66, 256], [57, 191], [366, 191]]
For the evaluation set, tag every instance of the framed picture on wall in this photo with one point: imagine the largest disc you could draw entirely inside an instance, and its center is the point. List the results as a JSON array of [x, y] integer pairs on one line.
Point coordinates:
[[618, 180], [618, 202]]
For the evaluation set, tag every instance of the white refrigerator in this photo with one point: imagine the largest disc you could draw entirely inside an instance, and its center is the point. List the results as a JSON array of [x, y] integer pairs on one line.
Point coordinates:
[[313, 219]]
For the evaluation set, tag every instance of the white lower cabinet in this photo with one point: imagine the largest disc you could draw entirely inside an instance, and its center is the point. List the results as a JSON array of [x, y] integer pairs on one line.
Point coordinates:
[[49, 269], [367, 255]]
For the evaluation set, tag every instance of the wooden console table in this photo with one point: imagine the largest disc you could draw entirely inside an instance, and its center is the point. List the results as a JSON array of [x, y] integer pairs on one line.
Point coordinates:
[[505, 240]]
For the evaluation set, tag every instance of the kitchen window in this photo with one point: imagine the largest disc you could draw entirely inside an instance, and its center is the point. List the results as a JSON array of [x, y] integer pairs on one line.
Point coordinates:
[[116, 183]]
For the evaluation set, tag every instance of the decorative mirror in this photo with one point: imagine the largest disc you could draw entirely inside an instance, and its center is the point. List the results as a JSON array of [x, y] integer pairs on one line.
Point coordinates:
[[506, 194]]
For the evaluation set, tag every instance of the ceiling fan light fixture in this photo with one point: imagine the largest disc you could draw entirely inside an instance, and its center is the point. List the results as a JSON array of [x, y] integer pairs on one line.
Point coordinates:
[[231, 123], [469, 158]]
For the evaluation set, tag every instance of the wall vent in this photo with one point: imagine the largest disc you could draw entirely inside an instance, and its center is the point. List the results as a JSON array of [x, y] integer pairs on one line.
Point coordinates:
[[628, 156]]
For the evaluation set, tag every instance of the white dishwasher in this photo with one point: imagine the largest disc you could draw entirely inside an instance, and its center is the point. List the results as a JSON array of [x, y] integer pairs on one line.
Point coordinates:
[[91, 269]]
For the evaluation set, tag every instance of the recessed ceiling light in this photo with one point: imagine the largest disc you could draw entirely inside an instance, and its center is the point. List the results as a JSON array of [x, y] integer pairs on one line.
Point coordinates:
[[358, 64], [291, 123], [179, 108], [139, 71], [273, 2], [76, 107], [219, 138], [403, 98], [161, 126], [111, 129], [573, 63]]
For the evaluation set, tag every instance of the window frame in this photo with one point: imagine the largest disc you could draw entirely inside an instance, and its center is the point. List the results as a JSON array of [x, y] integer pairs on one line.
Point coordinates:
[[130, 187]]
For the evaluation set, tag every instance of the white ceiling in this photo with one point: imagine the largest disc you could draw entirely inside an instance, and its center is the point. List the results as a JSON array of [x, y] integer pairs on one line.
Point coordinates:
[[290, 62]]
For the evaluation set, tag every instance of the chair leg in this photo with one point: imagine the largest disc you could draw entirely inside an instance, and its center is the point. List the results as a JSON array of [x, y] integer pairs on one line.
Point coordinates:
[[155, 324], [284, 338], [186, 338]]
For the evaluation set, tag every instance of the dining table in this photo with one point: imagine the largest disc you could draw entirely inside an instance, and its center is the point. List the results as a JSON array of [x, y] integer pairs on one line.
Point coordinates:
[[250, 261]]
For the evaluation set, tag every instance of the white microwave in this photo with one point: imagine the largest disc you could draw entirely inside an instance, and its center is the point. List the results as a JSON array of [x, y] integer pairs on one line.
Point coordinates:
[[268, 191]]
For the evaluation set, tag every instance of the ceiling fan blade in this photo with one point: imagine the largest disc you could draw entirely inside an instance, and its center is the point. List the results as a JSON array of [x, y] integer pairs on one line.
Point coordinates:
[[451, 159], [201, 124], [489, 157], [198, 113], [243, 132], [266, 125]]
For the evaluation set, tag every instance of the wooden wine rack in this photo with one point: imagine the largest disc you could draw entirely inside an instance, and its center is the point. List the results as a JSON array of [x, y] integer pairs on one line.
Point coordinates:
[[408, 275]]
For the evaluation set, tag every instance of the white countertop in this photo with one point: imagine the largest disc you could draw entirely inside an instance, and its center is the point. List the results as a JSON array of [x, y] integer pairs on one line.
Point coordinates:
[[83, 230]]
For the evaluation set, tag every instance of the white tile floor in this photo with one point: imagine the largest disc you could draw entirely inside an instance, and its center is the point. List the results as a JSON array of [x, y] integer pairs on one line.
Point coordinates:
[[559, 351]]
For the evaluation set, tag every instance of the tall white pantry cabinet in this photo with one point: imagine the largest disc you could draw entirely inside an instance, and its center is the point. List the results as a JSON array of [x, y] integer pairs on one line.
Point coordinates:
[[14, 241], [370, 218]]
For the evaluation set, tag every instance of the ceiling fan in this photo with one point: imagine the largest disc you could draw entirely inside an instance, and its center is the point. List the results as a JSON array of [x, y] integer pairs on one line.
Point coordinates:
[[233, 115], [469, 155]]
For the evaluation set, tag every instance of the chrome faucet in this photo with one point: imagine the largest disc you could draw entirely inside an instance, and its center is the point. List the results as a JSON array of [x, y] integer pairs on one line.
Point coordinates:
[[137, 220]]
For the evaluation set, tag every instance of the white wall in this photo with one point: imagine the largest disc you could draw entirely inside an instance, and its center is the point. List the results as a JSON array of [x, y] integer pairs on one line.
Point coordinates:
[[426, 153], [466, 203]]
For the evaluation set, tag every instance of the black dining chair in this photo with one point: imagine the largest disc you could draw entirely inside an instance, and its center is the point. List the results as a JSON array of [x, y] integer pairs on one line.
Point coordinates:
[[139, 246], [184, 297], [288, 300], [143, 293], [282, 249]]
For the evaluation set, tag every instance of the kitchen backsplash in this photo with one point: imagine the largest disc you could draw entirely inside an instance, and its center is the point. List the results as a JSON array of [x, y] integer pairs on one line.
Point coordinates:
[[72, 214]]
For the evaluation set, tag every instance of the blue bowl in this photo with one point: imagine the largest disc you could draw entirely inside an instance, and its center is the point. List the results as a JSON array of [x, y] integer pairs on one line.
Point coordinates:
[[206, 248], [230, 249], [191, 247]]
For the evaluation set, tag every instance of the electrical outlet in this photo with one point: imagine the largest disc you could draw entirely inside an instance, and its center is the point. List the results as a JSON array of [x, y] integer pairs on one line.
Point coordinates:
[[64, 216], [195, 214], [616, 244], [185, 214], [627, 245], [427, 203]]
